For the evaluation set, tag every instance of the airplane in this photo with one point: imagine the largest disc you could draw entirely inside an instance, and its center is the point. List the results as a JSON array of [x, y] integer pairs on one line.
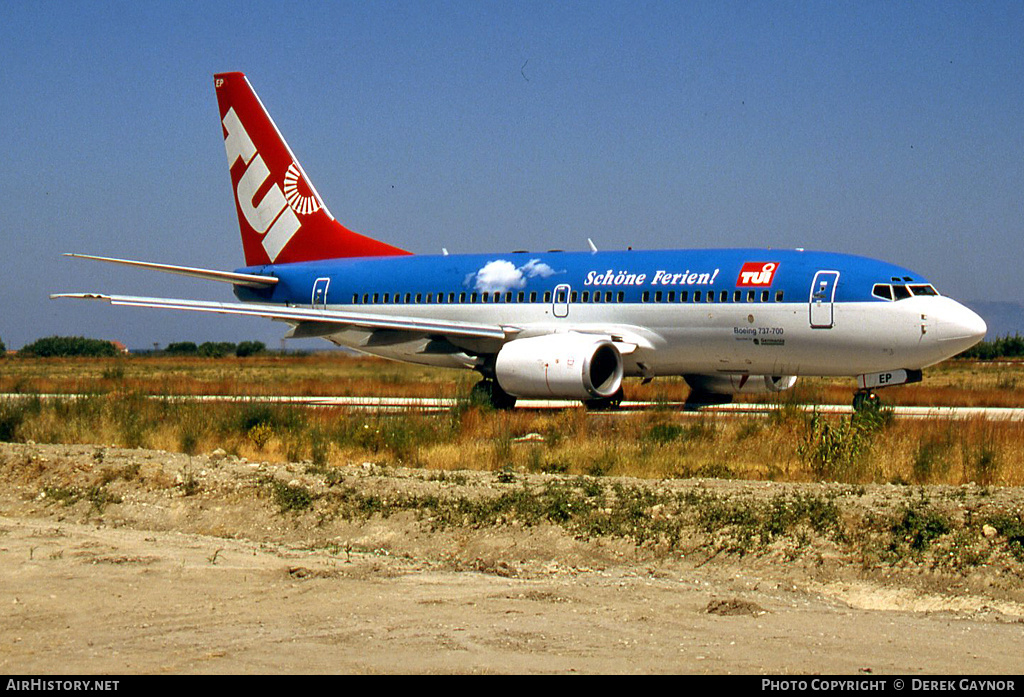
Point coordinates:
[[562, 325]]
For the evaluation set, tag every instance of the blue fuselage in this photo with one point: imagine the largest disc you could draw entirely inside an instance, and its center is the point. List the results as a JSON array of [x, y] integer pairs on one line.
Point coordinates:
[[776, 312]]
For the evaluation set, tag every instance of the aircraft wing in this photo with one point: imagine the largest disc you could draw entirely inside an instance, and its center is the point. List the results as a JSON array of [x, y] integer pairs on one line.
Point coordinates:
[[298, 315]]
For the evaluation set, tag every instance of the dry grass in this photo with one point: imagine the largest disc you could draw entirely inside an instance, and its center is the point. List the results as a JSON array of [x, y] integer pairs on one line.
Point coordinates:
[[787, 445], [326, 374], [953, 383]]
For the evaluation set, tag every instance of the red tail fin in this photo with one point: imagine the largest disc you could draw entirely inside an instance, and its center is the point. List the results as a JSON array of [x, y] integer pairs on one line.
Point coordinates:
[[282, 217]]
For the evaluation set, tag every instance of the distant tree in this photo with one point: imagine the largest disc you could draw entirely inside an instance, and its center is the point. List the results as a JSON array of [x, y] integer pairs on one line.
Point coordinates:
[[216, 349], [250, 348], [182, 348], [3, 348], [1003, 347], [65, 346]]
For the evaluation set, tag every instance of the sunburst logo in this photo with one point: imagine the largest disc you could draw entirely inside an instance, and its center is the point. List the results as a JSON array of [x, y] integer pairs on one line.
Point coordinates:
[[297, 192]]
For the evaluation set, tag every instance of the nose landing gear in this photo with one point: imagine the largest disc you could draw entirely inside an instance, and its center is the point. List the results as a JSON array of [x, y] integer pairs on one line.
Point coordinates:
[[866, 400]]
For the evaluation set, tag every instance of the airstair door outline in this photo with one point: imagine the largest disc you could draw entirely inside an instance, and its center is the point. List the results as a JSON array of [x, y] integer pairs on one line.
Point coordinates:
[[560, 304], [319, 300], [822, 300]]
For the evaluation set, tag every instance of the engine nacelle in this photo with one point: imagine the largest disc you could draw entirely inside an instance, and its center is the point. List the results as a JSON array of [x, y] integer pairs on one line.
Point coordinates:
[[560, 366], [740, 384]]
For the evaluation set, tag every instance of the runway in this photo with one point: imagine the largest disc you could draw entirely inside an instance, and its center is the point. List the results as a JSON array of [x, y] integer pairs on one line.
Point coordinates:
[[427, 405]]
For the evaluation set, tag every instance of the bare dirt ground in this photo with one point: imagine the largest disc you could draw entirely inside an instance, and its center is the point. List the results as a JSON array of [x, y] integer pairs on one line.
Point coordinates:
[[134, 561]]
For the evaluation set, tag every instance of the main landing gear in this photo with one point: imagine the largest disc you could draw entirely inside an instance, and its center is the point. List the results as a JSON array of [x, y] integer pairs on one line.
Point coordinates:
[[607, 403], [488, 391]]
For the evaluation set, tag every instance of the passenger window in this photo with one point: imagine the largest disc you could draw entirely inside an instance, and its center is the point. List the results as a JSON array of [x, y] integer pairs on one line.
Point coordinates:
[[586, 296], [547, 296], [462, 297], [355, 298], [751, 296], [710, 296], [723, 296], [657, 296], [533, 296], [684, 295], [696, 296], [620, 296], [737, 296], [778, 296], [520, 297], [671, 296]]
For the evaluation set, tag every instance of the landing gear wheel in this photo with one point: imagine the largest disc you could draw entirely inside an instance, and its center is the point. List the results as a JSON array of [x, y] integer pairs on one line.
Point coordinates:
[[489, 392], [606, 404], [866, 401]]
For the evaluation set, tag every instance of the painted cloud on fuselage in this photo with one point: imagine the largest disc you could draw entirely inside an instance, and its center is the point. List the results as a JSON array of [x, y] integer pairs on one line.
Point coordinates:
[[501, 275]]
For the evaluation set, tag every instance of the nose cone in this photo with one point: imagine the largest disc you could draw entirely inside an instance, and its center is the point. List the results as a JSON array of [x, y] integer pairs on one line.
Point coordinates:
[[959, 327]]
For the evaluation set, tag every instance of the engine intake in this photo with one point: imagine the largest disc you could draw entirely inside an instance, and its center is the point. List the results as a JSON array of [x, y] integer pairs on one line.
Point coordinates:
[[560, 366]]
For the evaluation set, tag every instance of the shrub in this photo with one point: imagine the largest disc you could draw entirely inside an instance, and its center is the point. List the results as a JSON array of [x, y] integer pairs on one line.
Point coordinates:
[[11, 417], [250, 348], [216, 349], [65, 346], [918, 526], [182, 348], [930, 460]]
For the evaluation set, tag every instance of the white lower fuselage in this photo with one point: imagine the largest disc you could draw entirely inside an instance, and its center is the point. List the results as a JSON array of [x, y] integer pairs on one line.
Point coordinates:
[[717, 338]]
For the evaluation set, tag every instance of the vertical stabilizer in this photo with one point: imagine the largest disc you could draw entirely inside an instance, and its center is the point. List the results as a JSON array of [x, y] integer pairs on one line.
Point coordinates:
[[281, 215]]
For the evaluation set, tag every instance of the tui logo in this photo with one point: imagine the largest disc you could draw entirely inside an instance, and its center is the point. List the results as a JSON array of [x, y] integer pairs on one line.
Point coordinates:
[[755, 273]]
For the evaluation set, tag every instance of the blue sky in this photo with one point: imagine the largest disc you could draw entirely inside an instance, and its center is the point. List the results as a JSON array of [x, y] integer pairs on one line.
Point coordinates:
[[892, 130]]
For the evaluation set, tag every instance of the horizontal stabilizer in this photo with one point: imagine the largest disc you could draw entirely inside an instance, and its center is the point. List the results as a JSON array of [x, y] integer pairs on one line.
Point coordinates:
[[238, 279]]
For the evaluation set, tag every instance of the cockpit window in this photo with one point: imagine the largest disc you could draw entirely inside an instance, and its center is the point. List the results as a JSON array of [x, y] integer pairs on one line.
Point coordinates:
[[899, 291]]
